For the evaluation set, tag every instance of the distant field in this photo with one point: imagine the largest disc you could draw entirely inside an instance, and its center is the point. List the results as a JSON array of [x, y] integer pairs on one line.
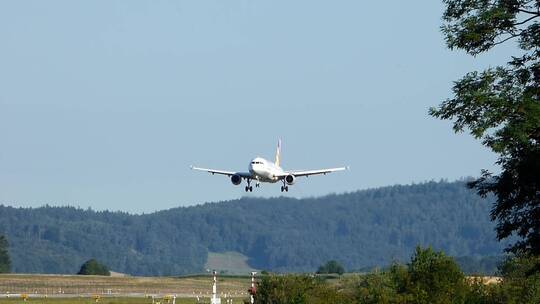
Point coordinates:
[[229, 262], [61, 285], [88, 300]]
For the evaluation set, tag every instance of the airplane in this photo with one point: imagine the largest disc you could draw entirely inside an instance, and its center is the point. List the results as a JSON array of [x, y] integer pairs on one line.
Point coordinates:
[[264, 171]]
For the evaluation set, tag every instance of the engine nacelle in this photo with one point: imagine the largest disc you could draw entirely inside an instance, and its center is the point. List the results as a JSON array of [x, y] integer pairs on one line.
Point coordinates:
[[289, 179], [236, 179]]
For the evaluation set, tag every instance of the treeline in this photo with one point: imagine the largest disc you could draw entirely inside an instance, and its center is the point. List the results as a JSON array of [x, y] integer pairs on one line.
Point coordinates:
[[430, 277], [5, 261], [361, 229]]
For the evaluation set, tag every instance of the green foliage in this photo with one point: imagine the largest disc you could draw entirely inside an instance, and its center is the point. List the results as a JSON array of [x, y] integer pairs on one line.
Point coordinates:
[[285, 289], [359, 229], [430, 277], [382, 287], [501, 107], [5, 262], [331, 267], [435, 278], [478, 25], [93, 267], [296, 289], [521, 282]]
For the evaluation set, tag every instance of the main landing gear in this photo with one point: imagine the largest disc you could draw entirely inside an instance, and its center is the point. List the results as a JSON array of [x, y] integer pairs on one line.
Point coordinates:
[[249, 188], [284, 187]]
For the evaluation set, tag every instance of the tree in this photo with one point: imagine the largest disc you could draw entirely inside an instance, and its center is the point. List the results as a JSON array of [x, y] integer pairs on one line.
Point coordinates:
[[521, 283], [93, 267], [5, 262], [285, 289], [331, 267], [383, 287], [435, 278], [501, 107], [297, 289]]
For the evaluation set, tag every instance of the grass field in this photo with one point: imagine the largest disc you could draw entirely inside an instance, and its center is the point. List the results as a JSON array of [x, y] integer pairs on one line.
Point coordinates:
[[107, 301], [89, 301], [80, 289]]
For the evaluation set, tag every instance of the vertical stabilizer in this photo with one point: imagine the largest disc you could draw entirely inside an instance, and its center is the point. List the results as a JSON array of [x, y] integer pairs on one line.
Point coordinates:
[[278, 153]]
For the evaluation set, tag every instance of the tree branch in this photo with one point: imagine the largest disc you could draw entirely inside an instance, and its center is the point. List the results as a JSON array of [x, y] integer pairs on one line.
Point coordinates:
[[526, 20], [506, 39], [528, 12]]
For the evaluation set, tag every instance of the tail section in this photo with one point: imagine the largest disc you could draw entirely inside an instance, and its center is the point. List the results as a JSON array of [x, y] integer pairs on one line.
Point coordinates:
[[278, 153]]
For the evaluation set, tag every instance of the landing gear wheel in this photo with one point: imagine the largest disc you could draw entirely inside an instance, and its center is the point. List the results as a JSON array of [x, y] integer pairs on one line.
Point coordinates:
[[284, 187], [249, 187]]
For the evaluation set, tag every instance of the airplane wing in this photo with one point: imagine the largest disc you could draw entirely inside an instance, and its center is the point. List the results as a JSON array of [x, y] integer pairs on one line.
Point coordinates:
[[314, 172], [228, 173]]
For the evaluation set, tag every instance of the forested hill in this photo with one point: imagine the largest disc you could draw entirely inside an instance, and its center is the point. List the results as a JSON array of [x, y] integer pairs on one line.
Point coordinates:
[[359, 229]]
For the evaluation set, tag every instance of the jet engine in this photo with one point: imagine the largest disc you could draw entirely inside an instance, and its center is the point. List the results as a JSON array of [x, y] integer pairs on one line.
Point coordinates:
[[289, 179], [236, 179]]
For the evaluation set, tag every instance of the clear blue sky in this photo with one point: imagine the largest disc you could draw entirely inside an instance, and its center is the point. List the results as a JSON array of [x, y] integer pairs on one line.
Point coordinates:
[[105, 104]]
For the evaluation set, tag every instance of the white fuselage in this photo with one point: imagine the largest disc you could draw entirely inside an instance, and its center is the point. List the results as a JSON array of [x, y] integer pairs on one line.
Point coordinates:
[[264, 170]]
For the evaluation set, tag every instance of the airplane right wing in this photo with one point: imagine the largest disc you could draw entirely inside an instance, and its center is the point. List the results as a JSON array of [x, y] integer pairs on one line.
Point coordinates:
[[314, 172], [228, 173]]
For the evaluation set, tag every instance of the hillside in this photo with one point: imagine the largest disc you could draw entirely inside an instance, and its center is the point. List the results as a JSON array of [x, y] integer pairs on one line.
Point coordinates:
[[359, 229]]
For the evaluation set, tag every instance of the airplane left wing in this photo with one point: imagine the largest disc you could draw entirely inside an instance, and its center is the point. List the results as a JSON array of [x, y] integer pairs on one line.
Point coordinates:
[[228, 173], [314, 172]]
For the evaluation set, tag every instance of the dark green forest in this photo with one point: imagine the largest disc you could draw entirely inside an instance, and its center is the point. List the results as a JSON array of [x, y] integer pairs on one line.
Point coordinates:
[[5, 262], [360, 230]]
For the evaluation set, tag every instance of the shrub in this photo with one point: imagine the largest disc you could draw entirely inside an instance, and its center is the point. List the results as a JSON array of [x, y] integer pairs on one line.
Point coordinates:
[[93, 267]]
